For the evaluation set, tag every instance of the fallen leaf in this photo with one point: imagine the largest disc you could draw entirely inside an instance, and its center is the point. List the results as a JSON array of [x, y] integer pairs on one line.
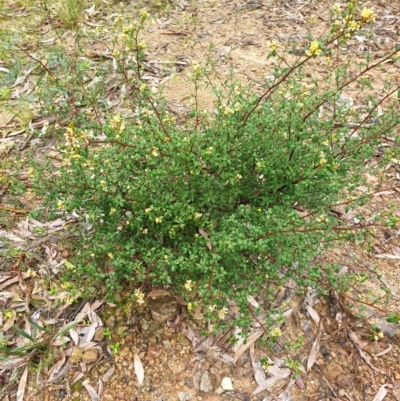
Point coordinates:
[[92, 392], [191, 335], [252, 338], [381, 394], [259, 372], [275, 382], [56, 369], [107, 376], [22, 384], [356, 342], [314, 349], [314, 314], [139, 369], [384, 352]]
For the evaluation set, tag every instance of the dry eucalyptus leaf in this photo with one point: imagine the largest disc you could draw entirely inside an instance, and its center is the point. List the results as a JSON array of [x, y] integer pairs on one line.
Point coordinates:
[[139, 369], [314, 349], [108, 375], [22, 384], [381, 394], [92, 392], [253, 337]]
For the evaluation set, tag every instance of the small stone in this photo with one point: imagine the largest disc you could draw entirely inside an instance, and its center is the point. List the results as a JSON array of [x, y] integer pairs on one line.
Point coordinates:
[[124, 352], [167, 344], [206, 382], [99, 334], [226, 384], [76, 356], [183, 396], [90, 356], [343, 380], [110, 322], [219, 391]]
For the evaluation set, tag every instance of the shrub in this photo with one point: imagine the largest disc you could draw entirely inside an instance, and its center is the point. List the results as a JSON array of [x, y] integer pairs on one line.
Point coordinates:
[[231, 200]]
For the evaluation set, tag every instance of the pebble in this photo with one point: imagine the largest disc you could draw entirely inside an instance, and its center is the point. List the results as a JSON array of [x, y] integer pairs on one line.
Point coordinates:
[[124, 352], [167, 344], [226, 383], [206, 382], [99, 334], [90, 356], [219, 391], [183, 396]]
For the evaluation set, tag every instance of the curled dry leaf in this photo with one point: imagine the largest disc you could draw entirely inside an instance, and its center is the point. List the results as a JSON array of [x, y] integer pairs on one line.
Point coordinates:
[[381, 394], [90, 332], [75, 336], [138, 369], [108, 375], [314, 314], [22, 384], [253, 337], [385, 351], [56, 368], [191, 335], [259, 373], [92, 392], [314, 349], [357, 342]]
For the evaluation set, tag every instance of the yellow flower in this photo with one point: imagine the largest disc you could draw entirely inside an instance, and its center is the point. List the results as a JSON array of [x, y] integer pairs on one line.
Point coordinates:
[[139, 295], [313, 49], [222, 313], [337, 24], [336, 8], [354, 26], [112, 210], [322, 160], [368, 15], [158, 220], [143, 15], [227, 110], [154, 152], [238, 176], [198, 215], [195, 66], [142, 46], [189, 285], [190, 306], [211, 308], [276, 332], [110, 255], [272, 46], [237, 106]]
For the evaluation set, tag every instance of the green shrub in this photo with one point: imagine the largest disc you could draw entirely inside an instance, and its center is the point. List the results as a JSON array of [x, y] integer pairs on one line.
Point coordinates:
[[236, 199]]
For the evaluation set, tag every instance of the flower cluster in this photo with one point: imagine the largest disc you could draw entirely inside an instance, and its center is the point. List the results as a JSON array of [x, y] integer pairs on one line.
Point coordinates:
[[139, 296], [367, 15], [275, 332], [189, 285], [314, 49]]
